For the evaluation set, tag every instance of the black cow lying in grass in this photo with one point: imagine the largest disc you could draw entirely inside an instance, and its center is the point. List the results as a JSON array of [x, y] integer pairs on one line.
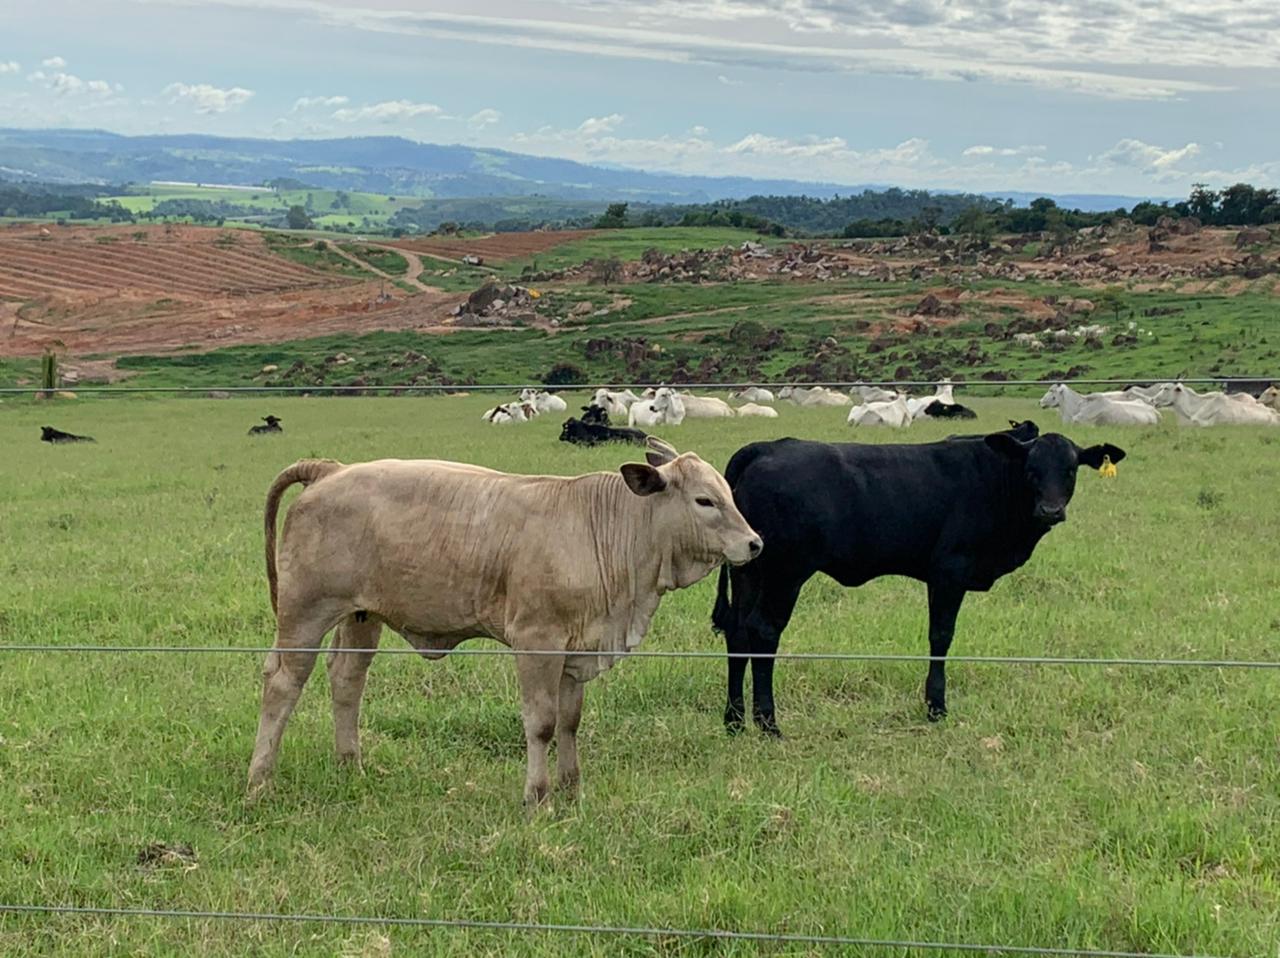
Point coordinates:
[[584, 433], [49, 434], [956, 515], [272, 425], [939, 410], [595, 414]]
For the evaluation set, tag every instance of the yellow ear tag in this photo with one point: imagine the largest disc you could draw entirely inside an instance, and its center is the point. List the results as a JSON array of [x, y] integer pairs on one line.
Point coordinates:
[[1108, 468]]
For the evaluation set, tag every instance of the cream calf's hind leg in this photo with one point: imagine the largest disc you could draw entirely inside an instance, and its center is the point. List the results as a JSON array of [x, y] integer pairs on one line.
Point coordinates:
[[570, 708], [347, 673], [539, 694], [283, 675]]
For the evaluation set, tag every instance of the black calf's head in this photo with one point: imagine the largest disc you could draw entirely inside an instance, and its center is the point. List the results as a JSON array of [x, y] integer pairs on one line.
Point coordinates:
[[272, 420], [47, 433], [1049, 467]]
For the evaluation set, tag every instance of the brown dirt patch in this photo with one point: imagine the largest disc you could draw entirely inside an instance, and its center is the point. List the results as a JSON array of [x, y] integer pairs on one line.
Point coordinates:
[[494, 248]]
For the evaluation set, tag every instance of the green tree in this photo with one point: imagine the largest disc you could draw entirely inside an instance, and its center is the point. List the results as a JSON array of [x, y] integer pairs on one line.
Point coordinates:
[[1111, 299], [297, 219], [614, 218]]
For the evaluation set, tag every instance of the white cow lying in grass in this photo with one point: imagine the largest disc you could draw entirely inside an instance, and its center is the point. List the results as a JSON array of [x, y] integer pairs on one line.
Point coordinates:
[[1214, 409], [1097, 409], [813, 396], [705, 407], [543, 401], [894, 414], [916, 405], [873, 393], [1271, 397], [614, 402], [511, 412], [753, 394], [755, 409]]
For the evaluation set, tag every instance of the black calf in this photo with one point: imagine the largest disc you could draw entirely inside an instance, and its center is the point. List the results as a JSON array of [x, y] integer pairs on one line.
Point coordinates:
[[956, 515], [49, 434]]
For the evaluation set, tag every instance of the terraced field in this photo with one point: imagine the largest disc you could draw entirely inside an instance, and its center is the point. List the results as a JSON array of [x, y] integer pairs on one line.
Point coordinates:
[[48, 264]]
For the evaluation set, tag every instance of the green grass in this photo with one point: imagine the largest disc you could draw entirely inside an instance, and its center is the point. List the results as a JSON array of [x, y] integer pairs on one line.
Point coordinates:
[[386, 260], [1118, 808], [629, 244], [315, 254]]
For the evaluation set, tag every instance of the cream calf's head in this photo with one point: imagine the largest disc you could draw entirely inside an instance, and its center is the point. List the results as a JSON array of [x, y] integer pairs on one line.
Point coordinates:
[[693, 512]]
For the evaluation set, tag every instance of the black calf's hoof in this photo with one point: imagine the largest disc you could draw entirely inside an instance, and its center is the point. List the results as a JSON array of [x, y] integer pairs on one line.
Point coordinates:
[[937, 712], [768, 725], [734, 720]]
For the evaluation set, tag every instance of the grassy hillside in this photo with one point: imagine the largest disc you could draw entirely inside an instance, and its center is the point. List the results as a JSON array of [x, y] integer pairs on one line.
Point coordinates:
[[761, 331]]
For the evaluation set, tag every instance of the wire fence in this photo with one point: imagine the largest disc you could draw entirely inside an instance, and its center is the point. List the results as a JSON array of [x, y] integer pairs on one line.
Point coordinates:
[[1039, 660], [589, 387], [825, 941], [704, 934]]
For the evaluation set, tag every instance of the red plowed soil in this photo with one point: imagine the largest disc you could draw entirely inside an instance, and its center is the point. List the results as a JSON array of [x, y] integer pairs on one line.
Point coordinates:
[[130, 289], [495, 248]]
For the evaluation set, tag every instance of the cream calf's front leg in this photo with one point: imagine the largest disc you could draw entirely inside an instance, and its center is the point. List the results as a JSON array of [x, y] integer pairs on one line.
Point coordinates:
[[539, 694], [570, 709]]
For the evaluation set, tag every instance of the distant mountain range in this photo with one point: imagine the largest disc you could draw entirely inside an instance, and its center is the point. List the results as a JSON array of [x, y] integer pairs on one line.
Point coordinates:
[[395, 166]]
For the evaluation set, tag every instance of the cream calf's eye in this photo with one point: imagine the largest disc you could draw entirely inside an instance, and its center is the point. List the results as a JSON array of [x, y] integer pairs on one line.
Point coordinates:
[[705, 502]]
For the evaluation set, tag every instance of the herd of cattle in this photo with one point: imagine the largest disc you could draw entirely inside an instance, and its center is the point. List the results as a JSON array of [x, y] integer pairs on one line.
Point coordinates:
[[569, 571], [877, 406]]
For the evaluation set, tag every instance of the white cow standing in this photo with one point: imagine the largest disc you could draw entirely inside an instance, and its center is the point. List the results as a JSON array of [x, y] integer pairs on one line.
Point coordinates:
[[893, 413], [1098, 410], [1214, 409]]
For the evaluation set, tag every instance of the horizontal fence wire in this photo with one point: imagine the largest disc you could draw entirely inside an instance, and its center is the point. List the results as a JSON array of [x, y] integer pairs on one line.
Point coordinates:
[[509, 387], [654, 654], [831, 941]]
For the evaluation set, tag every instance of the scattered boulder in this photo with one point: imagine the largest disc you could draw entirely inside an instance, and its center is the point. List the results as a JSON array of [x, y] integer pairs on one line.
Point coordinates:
[[1253, 236]]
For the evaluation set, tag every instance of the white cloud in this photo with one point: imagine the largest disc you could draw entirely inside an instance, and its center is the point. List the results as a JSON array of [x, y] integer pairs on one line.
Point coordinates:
[[69, 85], [389, 111], [206, 98], [593, 125], [307, 102], [1112, 50], [727, 82], [983, 150], [1151, 160], [761, 144], [698, 130], [54, 63], [483, 118], [9, 66]]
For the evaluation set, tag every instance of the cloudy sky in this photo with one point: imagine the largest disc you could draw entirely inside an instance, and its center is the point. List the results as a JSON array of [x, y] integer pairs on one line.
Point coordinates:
[[1105, 96]]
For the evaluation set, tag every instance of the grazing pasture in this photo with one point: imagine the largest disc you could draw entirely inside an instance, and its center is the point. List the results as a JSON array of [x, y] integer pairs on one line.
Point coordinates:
[[1104, 807]]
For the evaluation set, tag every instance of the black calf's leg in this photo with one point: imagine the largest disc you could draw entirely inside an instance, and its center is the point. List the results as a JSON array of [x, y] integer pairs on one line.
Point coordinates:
[[944, 606], [735, 710], [764, 631]]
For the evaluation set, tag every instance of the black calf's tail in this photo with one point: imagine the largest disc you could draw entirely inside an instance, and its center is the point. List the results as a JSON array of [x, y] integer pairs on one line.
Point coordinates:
[[722, 613]]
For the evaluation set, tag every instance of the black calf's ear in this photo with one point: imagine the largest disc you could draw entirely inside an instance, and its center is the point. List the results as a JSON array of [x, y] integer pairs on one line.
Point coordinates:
[[1007, 446], [643, 480], [1092, 457]]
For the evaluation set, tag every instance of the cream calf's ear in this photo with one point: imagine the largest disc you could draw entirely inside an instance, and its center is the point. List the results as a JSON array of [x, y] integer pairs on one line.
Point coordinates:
[[659, 453], [643, 480]]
